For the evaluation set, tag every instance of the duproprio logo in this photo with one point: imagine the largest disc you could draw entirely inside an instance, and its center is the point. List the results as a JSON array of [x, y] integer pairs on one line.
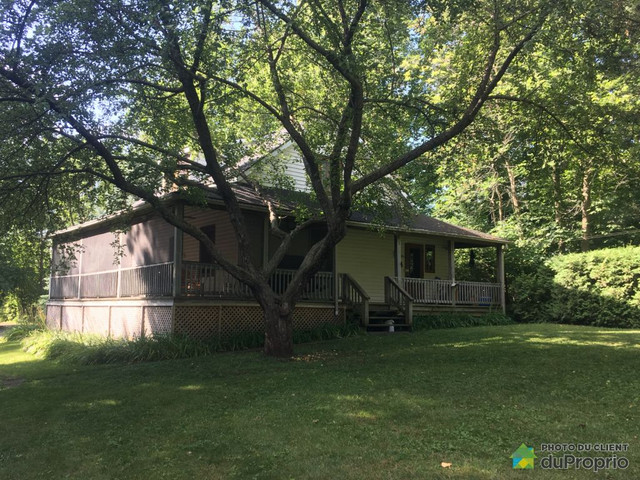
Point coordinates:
[[523, 458]]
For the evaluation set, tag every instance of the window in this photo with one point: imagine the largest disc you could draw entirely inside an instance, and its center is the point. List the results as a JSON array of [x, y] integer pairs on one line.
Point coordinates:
[[413, 258], [429, 259], [205, 255]]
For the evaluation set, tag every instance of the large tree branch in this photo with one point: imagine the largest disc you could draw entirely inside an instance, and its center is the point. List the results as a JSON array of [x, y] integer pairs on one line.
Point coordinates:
[[247, 272], [308, 156], [22, 26], [355, 21], [483, 91], [202, 36], [119, 180], [334, 59], [164, 151], [547, 111], [146, 83]]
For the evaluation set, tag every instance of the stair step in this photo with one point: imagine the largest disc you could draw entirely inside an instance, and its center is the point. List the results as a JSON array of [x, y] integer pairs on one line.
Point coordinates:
[[395, 322], [382, 325]]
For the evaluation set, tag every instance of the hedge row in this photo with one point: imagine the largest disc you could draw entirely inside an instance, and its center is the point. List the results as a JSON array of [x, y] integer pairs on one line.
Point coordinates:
[[599, 288]]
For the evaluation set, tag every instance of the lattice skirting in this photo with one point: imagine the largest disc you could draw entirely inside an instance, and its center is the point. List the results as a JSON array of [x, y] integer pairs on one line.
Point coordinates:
[[121, 320], [205, 321]]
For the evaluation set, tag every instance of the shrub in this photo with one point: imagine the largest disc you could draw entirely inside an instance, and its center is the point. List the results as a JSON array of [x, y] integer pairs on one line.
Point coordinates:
[[29, 319], [455, 320], [531, 295], [598, 288]]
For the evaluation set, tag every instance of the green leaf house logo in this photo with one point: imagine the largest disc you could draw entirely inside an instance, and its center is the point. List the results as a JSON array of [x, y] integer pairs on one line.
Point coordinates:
[[523, 458]]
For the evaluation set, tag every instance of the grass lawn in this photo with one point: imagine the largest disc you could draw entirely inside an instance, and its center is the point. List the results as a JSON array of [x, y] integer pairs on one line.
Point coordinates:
[[369, 407]]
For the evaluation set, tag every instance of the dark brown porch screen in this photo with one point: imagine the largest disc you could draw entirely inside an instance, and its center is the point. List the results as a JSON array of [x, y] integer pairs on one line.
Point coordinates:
[[205, 255]]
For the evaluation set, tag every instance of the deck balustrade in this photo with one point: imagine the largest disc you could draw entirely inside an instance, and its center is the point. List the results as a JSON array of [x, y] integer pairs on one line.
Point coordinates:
[[208, 280], [446, 292], [197, 279]]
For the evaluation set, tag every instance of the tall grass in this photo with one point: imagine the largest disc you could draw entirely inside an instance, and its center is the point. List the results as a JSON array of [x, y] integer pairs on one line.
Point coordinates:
[[87, 349]]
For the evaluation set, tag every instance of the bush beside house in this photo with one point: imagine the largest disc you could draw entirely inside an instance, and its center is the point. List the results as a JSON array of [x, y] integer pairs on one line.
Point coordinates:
[[599, 288]]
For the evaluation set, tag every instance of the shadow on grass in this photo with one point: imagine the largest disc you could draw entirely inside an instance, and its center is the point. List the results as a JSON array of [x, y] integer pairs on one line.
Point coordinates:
[[391, 406], [554, 334]]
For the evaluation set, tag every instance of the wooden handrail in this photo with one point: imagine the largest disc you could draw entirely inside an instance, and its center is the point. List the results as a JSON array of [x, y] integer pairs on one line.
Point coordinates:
[[401, 290], [352, 293], [397, 296]]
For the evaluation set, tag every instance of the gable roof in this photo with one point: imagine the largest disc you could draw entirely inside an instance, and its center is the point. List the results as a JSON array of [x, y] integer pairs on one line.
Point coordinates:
[[288, 201]]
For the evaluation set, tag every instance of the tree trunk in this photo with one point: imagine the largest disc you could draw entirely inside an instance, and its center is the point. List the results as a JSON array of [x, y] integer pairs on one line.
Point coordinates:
[[585, 210], [278, 338], [557, 201], [492, 206], [512, 189]]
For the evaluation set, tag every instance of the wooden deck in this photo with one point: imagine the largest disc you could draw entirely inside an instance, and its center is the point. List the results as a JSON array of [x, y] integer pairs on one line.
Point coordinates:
[[196, 280], [404, 297]]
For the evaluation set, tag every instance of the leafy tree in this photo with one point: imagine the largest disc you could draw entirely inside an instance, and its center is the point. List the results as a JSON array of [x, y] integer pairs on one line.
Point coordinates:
[[116, 92], [552, 160]]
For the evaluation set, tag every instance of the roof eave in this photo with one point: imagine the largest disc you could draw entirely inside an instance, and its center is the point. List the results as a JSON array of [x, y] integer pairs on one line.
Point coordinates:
[[420, 231]]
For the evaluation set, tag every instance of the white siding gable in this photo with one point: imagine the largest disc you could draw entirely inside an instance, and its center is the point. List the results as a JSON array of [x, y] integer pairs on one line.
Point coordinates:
[[288, 160]]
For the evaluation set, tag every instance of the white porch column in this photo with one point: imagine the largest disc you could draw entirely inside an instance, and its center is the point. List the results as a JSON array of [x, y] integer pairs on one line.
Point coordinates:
[[177, 254], [79, 293], [265, 242], [452, 271], [452, 261], [119, 277], [500, 276], [398, 255]]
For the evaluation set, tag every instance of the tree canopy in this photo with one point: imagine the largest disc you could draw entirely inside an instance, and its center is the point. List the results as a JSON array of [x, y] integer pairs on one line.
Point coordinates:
[[134, 98], [553, 160]]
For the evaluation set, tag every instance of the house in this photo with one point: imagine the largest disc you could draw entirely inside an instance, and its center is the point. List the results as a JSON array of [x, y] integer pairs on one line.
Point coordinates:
[[150, 278]]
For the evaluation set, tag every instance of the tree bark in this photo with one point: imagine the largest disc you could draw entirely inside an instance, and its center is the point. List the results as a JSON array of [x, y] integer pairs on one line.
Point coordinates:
[[278, 337], [585, 210], [557, 201], [512, 189]]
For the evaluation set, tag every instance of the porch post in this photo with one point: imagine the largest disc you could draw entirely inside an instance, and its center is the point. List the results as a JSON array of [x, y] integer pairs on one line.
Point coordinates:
[[452, 271], [500, 275], [398, 259], [119, 274], [79, 293], [265, 242], [177, 254]]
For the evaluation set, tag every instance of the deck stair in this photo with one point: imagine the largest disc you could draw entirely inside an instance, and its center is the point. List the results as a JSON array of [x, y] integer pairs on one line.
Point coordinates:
[[380, 316]]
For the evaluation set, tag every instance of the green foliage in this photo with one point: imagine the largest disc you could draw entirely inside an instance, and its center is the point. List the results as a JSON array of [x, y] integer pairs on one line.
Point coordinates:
[[28, 319], [551, 162], [86, 349], [599, 288], [456, 320]]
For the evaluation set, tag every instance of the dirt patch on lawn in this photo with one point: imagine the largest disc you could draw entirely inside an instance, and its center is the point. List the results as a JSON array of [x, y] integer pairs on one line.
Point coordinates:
[[11, 382]]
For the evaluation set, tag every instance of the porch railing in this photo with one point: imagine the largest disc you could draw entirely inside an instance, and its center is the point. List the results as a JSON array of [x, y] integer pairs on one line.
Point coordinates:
[[202, 279], [148, 280], [446, 292], [354, 295], [197, 279], [398, 297], [319, 287]]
